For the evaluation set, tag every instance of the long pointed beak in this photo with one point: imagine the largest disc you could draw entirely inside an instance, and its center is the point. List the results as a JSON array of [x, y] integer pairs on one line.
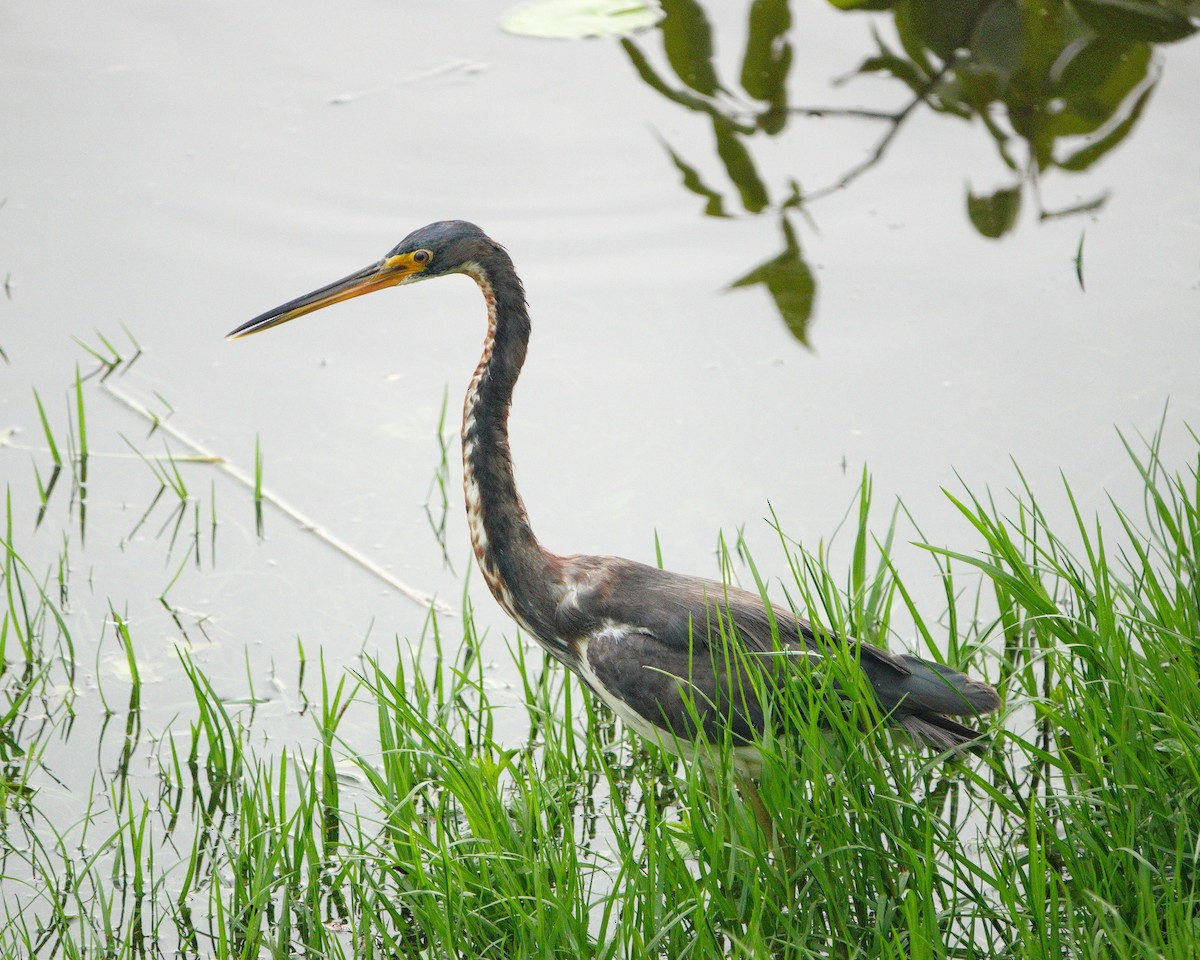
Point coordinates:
[[386, 273]]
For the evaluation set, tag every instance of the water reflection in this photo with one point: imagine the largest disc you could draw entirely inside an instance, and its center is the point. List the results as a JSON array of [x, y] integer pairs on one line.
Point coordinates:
[[1056, 86]]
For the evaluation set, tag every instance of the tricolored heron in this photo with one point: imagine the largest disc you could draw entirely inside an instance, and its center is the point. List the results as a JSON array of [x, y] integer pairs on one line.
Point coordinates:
[[651, 644]]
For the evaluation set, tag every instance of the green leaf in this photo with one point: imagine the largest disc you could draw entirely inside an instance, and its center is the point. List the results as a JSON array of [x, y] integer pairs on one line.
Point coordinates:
[[768, 54], [1075, 209], [910, 38], [715, 206], [862, 4], [740, 166], [1153, 20], [1048, 30], [1079, 261], [944, 27], [1096, 82], [687, 40], [904, 70], [993, 216], [575, 19], [1105, 68], [790, 282], [1084, 158], [998, 43], [650, 77], [46, 430]]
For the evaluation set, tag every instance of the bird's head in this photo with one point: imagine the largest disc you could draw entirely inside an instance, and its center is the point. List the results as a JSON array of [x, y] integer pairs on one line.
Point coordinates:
[[448, 246]]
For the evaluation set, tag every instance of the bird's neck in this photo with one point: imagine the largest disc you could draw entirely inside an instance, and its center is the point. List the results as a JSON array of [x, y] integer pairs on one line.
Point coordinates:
[[524, 578]]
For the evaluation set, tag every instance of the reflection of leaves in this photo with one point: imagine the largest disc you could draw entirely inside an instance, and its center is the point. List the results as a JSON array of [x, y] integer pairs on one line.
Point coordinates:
[[1084, 158], [909, 32], [715, 205], [1158, 21], [903, 70], [1079, 261], [740, 166], [768, 59], [688, 45], [789, 281], [1095, 81], [1034, 70], [682, 97], [944, 27], [998, 44], [1055, 83], [1084, 206], [994, 216], [687, 40]]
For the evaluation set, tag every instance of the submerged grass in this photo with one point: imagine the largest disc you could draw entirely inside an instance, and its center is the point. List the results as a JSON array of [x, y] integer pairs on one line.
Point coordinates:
[[427, 833]]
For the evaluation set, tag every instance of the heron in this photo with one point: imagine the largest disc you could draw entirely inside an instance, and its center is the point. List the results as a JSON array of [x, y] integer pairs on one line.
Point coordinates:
[[651, 644]]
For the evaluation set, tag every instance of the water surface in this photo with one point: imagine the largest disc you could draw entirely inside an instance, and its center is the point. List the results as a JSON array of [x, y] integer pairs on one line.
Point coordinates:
[[174, 170]]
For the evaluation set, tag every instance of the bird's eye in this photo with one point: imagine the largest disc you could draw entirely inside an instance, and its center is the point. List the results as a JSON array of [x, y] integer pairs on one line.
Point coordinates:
[[422, 256]]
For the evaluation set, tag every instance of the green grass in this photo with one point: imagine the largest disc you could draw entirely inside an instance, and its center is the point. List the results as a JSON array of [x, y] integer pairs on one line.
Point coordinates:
[[437, 508], [406, 824]]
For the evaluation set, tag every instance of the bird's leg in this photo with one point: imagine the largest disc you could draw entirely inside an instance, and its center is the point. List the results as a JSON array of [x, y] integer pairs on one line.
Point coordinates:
[[749, 791], [785, 854]]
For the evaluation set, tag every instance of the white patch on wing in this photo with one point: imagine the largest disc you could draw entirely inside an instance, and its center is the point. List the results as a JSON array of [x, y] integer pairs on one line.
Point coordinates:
[[579, 590], [632, 719], [747, 760]]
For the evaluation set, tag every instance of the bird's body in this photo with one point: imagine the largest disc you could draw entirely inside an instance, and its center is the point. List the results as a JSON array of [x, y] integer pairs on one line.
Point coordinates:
[[672, 655]]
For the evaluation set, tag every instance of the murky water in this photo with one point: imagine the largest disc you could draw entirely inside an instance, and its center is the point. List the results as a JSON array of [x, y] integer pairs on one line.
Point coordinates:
[[172, 170]]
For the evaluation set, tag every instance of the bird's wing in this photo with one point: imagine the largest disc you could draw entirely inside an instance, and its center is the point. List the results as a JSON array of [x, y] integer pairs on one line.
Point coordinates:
[[683, 653], [652, 683], [912, 692], [689, 654], [681, 611]]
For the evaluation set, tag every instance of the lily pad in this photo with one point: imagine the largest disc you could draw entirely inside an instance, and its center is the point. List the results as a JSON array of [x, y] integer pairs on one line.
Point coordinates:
[[575, 19]]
